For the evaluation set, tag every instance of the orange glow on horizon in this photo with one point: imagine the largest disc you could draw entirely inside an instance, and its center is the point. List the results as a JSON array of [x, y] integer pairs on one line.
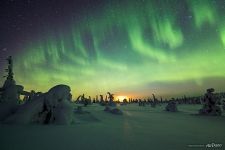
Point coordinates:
[[121, 98]]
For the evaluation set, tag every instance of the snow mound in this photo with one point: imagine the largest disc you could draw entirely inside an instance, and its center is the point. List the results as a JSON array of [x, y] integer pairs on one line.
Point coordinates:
[[53, 107]]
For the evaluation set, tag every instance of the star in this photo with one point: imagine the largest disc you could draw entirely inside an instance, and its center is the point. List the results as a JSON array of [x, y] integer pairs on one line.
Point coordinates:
[[4, 49], [190, 16]]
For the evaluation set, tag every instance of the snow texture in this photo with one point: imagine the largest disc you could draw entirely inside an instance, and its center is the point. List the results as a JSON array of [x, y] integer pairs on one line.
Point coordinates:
[[137, 129]]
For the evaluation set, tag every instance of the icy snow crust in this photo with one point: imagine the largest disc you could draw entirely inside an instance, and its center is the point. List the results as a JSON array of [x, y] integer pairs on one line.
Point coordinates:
[[138, 128]]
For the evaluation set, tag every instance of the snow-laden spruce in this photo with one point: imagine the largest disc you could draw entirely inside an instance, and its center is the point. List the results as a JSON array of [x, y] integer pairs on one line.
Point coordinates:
[[52, 107]]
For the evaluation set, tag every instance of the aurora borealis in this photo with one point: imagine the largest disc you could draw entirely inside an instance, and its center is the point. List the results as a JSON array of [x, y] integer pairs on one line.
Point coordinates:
[[133, 47]]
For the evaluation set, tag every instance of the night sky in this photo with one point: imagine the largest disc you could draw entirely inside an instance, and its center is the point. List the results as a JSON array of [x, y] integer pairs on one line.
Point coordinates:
[[128, 47]]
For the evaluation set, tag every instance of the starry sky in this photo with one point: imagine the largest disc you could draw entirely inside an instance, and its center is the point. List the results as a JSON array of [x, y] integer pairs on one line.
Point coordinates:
[[130, 47]]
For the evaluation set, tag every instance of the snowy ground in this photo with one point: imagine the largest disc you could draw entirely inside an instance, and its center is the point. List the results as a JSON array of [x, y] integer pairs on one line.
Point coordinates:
[[139, 128]]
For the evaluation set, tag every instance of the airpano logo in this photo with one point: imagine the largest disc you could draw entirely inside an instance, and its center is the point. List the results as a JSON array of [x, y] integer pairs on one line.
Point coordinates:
[[214, 145], [208, 146]]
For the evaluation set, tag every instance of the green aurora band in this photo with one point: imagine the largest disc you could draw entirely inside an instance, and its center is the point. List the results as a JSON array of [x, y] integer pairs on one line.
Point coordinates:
[[131, 48]]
